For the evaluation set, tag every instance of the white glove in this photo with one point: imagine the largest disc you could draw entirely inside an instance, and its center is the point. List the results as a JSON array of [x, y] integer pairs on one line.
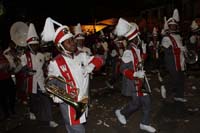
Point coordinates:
[[88, 69], [113, 53], [57, 100], [144, 47], [139, 74]]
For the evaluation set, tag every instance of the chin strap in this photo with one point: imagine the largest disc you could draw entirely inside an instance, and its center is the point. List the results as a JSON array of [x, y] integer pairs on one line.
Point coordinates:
[[65, 52], [32, 51]]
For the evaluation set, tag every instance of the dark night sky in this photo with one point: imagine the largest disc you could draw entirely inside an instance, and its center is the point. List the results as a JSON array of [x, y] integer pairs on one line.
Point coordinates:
[[70, 12], [84, 11]]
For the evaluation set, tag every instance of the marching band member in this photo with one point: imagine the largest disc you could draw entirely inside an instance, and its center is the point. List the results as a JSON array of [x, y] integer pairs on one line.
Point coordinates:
[[132, 76], [174, 57], [157, 57], [80, 40], [33, 61], [74, 67], [7, 95], [116, 48], [195, 37], [153, 46], [10, 66]]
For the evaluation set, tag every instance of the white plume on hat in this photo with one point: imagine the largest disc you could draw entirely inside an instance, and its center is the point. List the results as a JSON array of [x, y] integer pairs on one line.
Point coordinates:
[[165, 27], [48, 31], [175, 18], [58, 36], [176, 15], [194, 26], [122, 27], [78, 32], [32, 37], [165, 23]]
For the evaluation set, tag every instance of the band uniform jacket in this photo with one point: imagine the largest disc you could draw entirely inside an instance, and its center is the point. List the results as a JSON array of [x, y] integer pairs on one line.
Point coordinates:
[[127, 68], [37, 62], [73, 69], [174, 59]]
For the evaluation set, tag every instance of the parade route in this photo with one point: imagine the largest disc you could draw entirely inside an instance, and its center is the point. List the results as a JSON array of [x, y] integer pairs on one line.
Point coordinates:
[[166, 116]]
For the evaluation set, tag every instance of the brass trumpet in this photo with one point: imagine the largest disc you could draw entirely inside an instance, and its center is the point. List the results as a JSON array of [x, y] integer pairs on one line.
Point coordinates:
[[61, 93]]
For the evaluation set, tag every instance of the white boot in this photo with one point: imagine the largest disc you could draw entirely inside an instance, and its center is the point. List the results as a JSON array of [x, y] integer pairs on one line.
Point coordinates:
[[159, 77], [32, 116], [120, 117], [147, 128], [179, 99], [163, 91], [53, 124]]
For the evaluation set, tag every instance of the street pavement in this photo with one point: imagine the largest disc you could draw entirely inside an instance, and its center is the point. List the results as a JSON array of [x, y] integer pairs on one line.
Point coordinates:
[[167, 116]]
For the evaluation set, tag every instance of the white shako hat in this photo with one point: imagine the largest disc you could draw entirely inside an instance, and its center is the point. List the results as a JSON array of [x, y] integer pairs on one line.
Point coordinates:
[[49, 34], [175, 18], [79, 34], [32, 37], [194, 26], [126, 29]]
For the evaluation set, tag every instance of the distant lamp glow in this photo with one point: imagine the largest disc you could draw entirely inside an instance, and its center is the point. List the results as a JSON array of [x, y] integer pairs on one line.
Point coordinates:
[[92, 28]]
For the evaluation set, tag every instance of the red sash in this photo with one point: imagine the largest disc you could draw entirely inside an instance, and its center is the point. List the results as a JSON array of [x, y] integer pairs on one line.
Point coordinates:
[[176, 51], [65, 71], [30, 78], [138, 81]]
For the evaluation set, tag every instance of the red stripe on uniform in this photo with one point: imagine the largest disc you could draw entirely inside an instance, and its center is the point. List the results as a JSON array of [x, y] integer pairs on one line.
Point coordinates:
[[132, 34]]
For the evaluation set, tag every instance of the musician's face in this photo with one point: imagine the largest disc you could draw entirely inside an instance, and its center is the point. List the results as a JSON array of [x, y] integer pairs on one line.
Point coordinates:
[[173, 27], [70, 45], [35, 47], [136, 40]]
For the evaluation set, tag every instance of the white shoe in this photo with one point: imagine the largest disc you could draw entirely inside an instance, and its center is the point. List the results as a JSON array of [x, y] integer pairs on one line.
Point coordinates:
[[32, 116], [163, 91], [147, 128], [160, 78], [179, 99], [53, 124], [24, 102], [120, 117]]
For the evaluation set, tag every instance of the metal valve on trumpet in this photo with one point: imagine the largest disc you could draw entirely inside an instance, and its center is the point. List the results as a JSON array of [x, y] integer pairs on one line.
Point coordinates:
[[53, 89]]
